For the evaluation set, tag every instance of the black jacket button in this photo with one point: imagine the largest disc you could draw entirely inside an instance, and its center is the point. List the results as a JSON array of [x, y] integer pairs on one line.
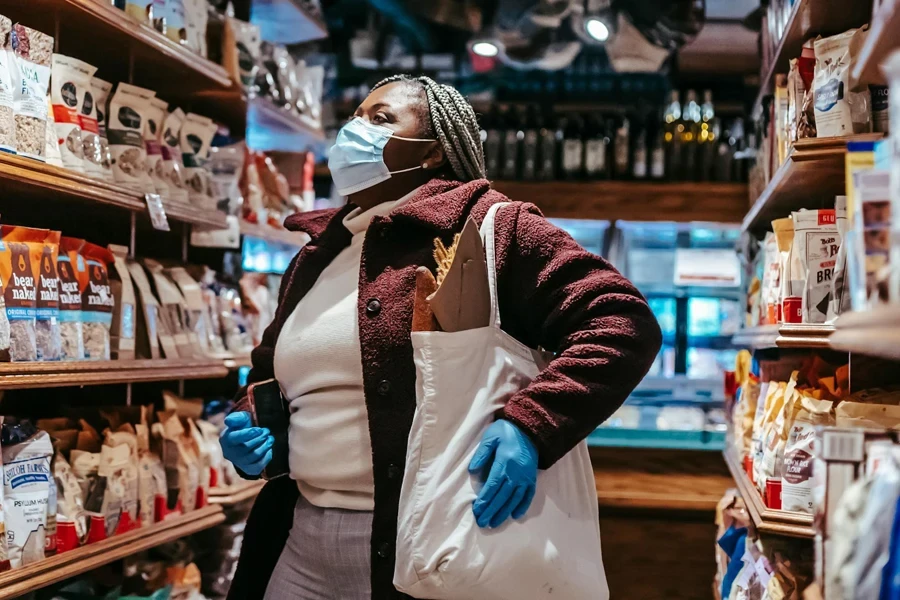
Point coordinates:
[[384, 387], [384, 550], [373, 307]]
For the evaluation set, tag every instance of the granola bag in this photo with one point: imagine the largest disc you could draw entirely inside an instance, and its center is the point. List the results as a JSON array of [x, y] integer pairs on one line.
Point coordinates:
[[124, 128], [92, 146], [71, 270], [800, 453], [26, 493], [172, 312], [156, 115], [197, 133], [195, 315], [839, 109], [813, 256], [122, 330], [147, 336], [70, 80], [18, 280], [96, 302], [171, 164], [101, 90], [47, 325], [30, 68], [7, 119]]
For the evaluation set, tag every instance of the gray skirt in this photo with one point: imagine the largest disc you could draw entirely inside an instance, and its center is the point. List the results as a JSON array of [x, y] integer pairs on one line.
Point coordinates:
[[326, 557]]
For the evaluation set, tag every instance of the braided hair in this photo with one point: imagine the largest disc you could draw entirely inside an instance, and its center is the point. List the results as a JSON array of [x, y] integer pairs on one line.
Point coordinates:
[[453, 122]]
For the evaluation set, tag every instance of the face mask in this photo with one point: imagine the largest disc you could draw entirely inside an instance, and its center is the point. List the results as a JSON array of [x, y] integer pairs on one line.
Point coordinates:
[[356, 160]]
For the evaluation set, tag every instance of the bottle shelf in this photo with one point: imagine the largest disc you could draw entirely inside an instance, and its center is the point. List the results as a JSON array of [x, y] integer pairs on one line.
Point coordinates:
[[812, 174], [768, 520], [874, 333], [69, 564], [62, 374]]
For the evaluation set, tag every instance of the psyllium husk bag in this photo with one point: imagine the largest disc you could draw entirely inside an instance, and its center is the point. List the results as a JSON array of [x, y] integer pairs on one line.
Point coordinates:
[[441, 553], [26, 493], [800, 453]]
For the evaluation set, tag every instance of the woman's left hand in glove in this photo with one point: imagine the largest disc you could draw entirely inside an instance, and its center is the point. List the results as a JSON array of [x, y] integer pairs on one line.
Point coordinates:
[[510, 486]]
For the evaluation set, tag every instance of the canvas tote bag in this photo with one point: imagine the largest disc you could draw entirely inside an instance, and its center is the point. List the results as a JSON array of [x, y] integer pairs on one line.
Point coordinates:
[[462, 379]]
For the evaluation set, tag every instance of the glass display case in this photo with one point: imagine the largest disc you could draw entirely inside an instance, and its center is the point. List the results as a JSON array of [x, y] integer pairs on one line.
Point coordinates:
[[690, 275]]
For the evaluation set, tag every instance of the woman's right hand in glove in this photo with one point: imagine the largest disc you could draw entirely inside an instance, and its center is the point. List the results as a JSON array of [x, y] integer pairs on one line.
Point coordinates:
[[248, 448]]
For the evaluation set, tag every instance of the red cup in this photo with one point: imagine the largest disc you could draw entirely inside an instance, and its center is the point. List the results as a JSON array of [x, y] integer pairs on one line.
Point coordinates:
[[793, 309], [773, 494], [66, 536], [96, 529]]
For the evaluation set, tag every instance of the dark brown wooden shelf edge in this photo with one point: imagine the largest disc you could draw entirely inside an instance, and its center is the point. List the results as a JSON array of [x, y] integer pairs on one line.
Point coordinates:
[[49, 374]]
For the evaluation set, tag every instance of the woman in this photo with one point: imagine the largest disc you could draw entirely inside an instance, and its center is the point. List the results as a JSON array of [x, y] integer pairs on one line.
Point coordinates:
[[411, 165]]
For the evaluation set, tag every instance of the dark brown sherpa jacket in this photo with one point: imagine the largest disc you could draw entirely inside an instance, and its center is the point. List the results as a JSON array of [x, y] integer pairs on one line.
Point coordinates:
[[553, 294]]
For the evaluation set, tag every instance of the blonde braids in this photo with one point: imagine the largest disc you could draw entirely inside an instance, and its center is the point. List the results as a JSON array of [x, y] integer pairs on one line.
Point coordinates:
[[454, 124]]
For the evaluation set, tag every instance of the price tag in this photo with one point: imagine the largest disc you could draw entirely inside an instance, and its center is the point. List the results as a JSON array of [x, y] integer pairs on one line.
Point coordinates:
[[157, 212]]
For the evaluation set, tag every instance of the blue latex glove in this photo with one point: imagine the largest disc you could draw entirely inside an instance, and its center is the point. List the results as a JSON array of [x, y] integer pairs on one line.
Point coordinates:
[[510, 486], [248, 448]]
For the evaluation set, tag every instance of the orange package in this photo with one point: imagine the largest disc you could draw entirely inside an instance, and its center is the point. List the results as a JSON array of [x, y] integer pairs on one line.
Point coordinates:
[[18, 284], [96, 302]]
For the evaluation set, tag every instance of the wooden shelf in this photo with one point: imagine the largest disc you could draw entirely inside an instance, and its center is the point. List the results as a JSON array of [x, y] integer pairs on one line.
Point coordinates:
[[884, 36], [104, 36], [874, 333], [63, 374], [809, 18], [270, 234], [271, 128], [29, 178], [811, 177], [69, 564], [632, 200], [286, 22], [226, 496], [767, 520], [784, 336], [232, 363]]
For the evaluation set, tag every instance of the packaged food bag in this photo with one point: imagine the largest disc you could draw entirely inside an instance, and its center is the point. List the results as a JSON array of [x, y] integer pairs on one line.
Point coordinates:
[[182, 470], [119, 466], [125, 126], [26, 493], [840, 110], [771, 280], [101, 90], [70, 80], [151, 472], [30, 68], [813, 256], [171, 163], [197, 133], [122, 330], [70, 502], [172, 312], [18, 283], [195, 315], [47, 325], [97, 302], [72, 270], [7, 113], [801, 451], [147, 340], [775, 433], [241, 51], [868, 416], [784, 239], [770, 408], [176, 28], [93, 148], [156, 115], [140, 10], [840, 282]]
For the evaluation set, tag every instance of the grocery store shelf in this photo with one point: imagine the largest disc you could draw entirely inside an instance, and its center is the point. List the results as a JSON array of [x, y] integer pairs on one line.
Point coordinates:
[[234, 362], [767, 520], [882, 39], [62, 374], [287, 21], [271, 128], [632, 200], [271, 234], [784, 336], [104, 36], [874, 333], [234, 494], [808, 18], [69, 564], [811, 177], [31, 178]]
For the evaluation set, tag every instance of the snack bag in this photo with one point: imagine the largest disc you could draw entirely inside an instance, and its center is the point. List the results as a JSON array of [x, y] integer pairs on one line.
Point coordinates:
[[801, 451], [30, 68], [18, 284], [784, 239], [97, 302], [153, 130], [840, 110], [125, 125], [70, 81], [26, 492], [171, 163], [101, 90], [47, 325], [771, 280], [71, 269], [813, 257]]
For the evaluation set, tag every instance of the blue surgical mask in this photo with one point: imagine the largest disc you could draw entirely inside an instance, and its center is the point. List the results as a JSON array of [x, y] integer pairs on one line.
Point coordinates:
[[356, 160]]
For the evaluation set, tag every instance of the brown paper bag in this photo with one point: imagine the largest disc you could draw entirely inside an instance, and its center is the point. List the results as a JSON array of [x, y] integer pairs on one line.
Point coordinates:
[[463, 300]]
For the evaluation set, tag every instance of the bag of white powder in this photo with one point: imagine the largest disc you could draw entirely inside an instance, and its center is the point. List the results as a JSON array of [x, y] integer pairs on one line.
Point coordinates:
[[26, 491]]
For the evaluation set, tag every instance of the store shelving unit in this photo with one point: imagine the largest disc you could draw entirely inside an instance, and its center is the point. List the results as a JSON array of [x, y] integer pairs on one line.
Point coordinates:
[[785, 336], [882, 39], [235, 494], [873, 333], [812, 174], [767, 520], [63, 566], [287, 21], [807, 19], [271, 234], [61, 374]]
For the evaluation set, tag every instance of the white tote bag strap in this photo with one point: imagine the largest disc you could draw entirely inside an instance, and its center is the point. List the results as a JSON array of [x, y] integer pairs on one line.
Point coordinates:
[[487, 238]]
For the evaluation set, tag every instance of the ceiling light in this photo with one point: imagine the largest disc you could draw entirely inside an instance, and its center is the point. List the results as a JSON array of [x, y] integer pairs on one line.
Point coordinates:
[[485, 49], [597, 29]]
